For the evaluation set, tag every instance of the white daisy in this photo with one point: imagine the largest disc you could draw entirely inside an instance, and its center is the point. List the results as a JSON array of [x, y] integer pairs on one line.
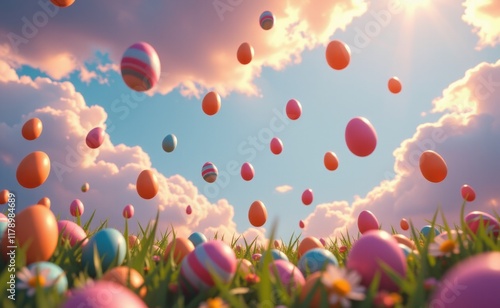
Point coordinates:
[[445, 244], [343, 286], [30, 279]]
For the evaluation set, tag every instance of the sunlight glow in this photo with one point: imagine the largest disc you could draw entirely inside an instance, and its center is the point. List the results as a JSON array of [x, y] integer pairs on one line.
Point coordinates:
[[414, 4]]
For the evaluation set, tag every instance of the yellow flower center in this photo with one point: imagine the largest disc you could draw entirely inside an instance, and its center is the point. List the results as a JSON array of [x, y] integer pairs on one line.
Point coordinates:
[[447, 246], [396, 298], [215, 303], [342, 287], [37, 280]]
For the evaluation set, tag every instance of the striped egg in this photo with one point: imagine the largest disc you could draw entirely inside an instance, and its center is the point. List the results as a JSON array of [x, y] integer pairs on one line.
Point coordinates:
[[209, 172], [140, 67], [266, 20], [209, 259]]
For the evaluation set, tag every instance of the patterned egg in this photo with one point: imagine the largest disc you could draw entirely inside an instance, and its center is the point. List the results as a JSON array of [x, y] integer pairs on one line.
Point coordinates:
[[197, 238], [104, 294], [53, 275], [140, 67], [308, 243], [289, 275], [209, 172], [490, 224], [126, 276], [266, 20], [110, 245], [315, 260], [71, 232]]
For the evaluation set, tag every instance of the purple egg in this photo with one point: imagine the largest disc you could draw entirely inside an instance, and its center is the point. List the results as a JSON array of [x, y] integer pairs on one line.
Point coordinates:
[[473, 282], [95, 137], [367, 221], [72, 232], [289, 274], [104, 294]]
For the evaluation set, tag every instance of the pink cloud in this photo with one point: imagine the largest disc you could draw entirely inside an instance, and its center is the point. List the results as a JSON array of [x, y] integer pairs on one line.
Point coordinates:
[[467, 136], [484, 16], [196, 43], [283, 189]]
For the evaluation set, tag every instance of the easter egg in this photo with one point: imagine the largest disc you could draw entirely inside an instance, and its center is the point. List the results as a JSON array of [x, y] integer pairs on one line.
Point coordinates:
[[338, 55], [331, 161], [140, 67], [4, 196], [302, 224], [212, 258], [110, 246], [405, 249], [468, 193], [293, 109], [257, 214], [256, 256], [394, 85], [307, 197], [367, 221], [211, 103], [432, 166], [62, 3], [147, 184], [314, 294], [128, 211], [44, 201], [36, 231], [245, 267], [373, 247], [472, 282], [308, 243], [426, 230], [209, 172], [275, 255], [247, 171], [178, 249], [103, 294], [288, 274], [95, 137], [401, 239], [169, 143], [276, 146], [76, 208], [85, 187], [404, 224], [476, 218], [71, 232], [126, 277], [53, 274], [32, 129], [133, 241], [266, 20], [315, 260], [33, 170], [245, 53], [189, 210], [360, 137], [197, 238]]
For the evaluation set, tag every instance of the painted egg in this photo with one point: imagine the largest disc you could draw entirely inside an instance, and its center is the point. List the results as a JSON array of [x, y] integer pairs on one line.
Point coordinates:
[[307, 197], [178, 249], [471, 283], [85, 187], [211, 258], [197, 238], [338, 55], [401, 239], [140, 67], [331, 161], [404, 224], [147, 184], [293, 109], [433, 166], [71, 232], [360, 137], [289, 275], [275, 255], [95, 137], [104, 294], [211, 103], [315, 260], [53, 274], [276, 146], [32, 129], [169, 143], [36, 231], [110, 247], [126, 277], [245, 53], [490, 224], [468, 193], [4, 196], [373, 247], [245, 267], [33, 170], [76, 208], [62, 3], [367, 221], [266, 20], [209, 172], [257, 214], [308, 243], [247, 171], [426, 231], [45, 202], [394, 85]]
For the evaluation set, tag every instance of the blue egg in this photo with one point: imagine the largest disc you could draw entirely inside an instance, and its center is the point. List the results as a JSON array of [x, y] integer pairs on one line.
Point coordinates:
[[275, 254], [197, 238], [169, 143], [54, 274], [110, 245], [426, 230], [315, 260]]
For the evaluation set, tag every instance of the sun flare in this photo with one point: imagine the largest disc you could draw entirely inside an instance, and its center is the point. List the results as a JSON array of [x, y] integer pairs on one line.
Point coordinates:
[[414, 4]]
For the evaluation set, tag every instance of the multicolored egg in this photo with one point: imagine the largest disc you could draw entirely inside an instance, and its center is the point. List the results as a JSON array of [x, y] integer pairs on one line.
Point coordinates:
[[104, 294], [308, 243], [140, 67], [266, 20], [315, 260], [197, 238], [51, 273], [110, 246], [490, 224], [209, 172], [71, 232]]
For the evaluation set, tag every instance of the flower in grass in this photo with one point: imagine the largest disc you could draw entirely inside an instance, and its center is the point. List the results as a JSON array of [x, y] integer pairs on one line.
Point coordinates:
[[216, 302], [30, 279], [445, 244], [252, 278], [343, 286], [385, 299]]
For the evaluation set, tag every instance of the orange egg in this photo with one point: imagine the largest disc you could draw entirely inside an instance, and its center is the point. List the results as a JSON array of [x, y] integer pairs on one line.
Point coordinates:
[[33, 170], [257, 214], [394, 85], [315, 291], [147, 184], [330, 161], [32, 129], [62, 3], [36, 231], [401, 239], [245, 53], [181, 248], [133, 241], [4, 196], [433, 166], [44, 201], [404, 224], [338, 55], [121, 276], [211, 103], [308, 243]]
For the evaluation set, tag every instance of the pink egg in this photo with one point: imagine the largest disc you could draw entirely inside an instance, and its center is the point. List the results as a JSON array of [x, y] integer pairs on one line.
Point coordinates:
[[373, 247], [468, 193], [276, 146], [293, 109], [247, 171], [491, 225], [76, 208], [288, 274], [367, 221], [189, 210], [103, 294], [95, 138], [474, 282], [307, 197], [72, 232], [360, 137], [302, 224]]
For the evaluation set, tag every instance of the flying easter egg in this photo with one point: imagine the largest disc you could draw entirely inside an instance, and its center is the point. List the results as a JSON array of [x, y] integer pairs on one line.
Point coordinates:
[[140, 67]]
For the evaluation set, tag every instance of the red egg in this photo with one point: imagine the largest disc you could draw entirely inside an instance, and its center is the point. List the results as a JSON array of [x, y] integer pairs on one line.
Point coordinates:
[[404, 224], [302, 225], [247, 171], [307, 197], [394, 85], [433, 166], [468, 193], [245, 53], [367, 221], [95, 137], [32, 129], [147, 184], [338, 55], [360, 137], [189, 210], [293, 109], [33, 170], [331, 161], [4, 196], [257, 214], [276, 146]]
